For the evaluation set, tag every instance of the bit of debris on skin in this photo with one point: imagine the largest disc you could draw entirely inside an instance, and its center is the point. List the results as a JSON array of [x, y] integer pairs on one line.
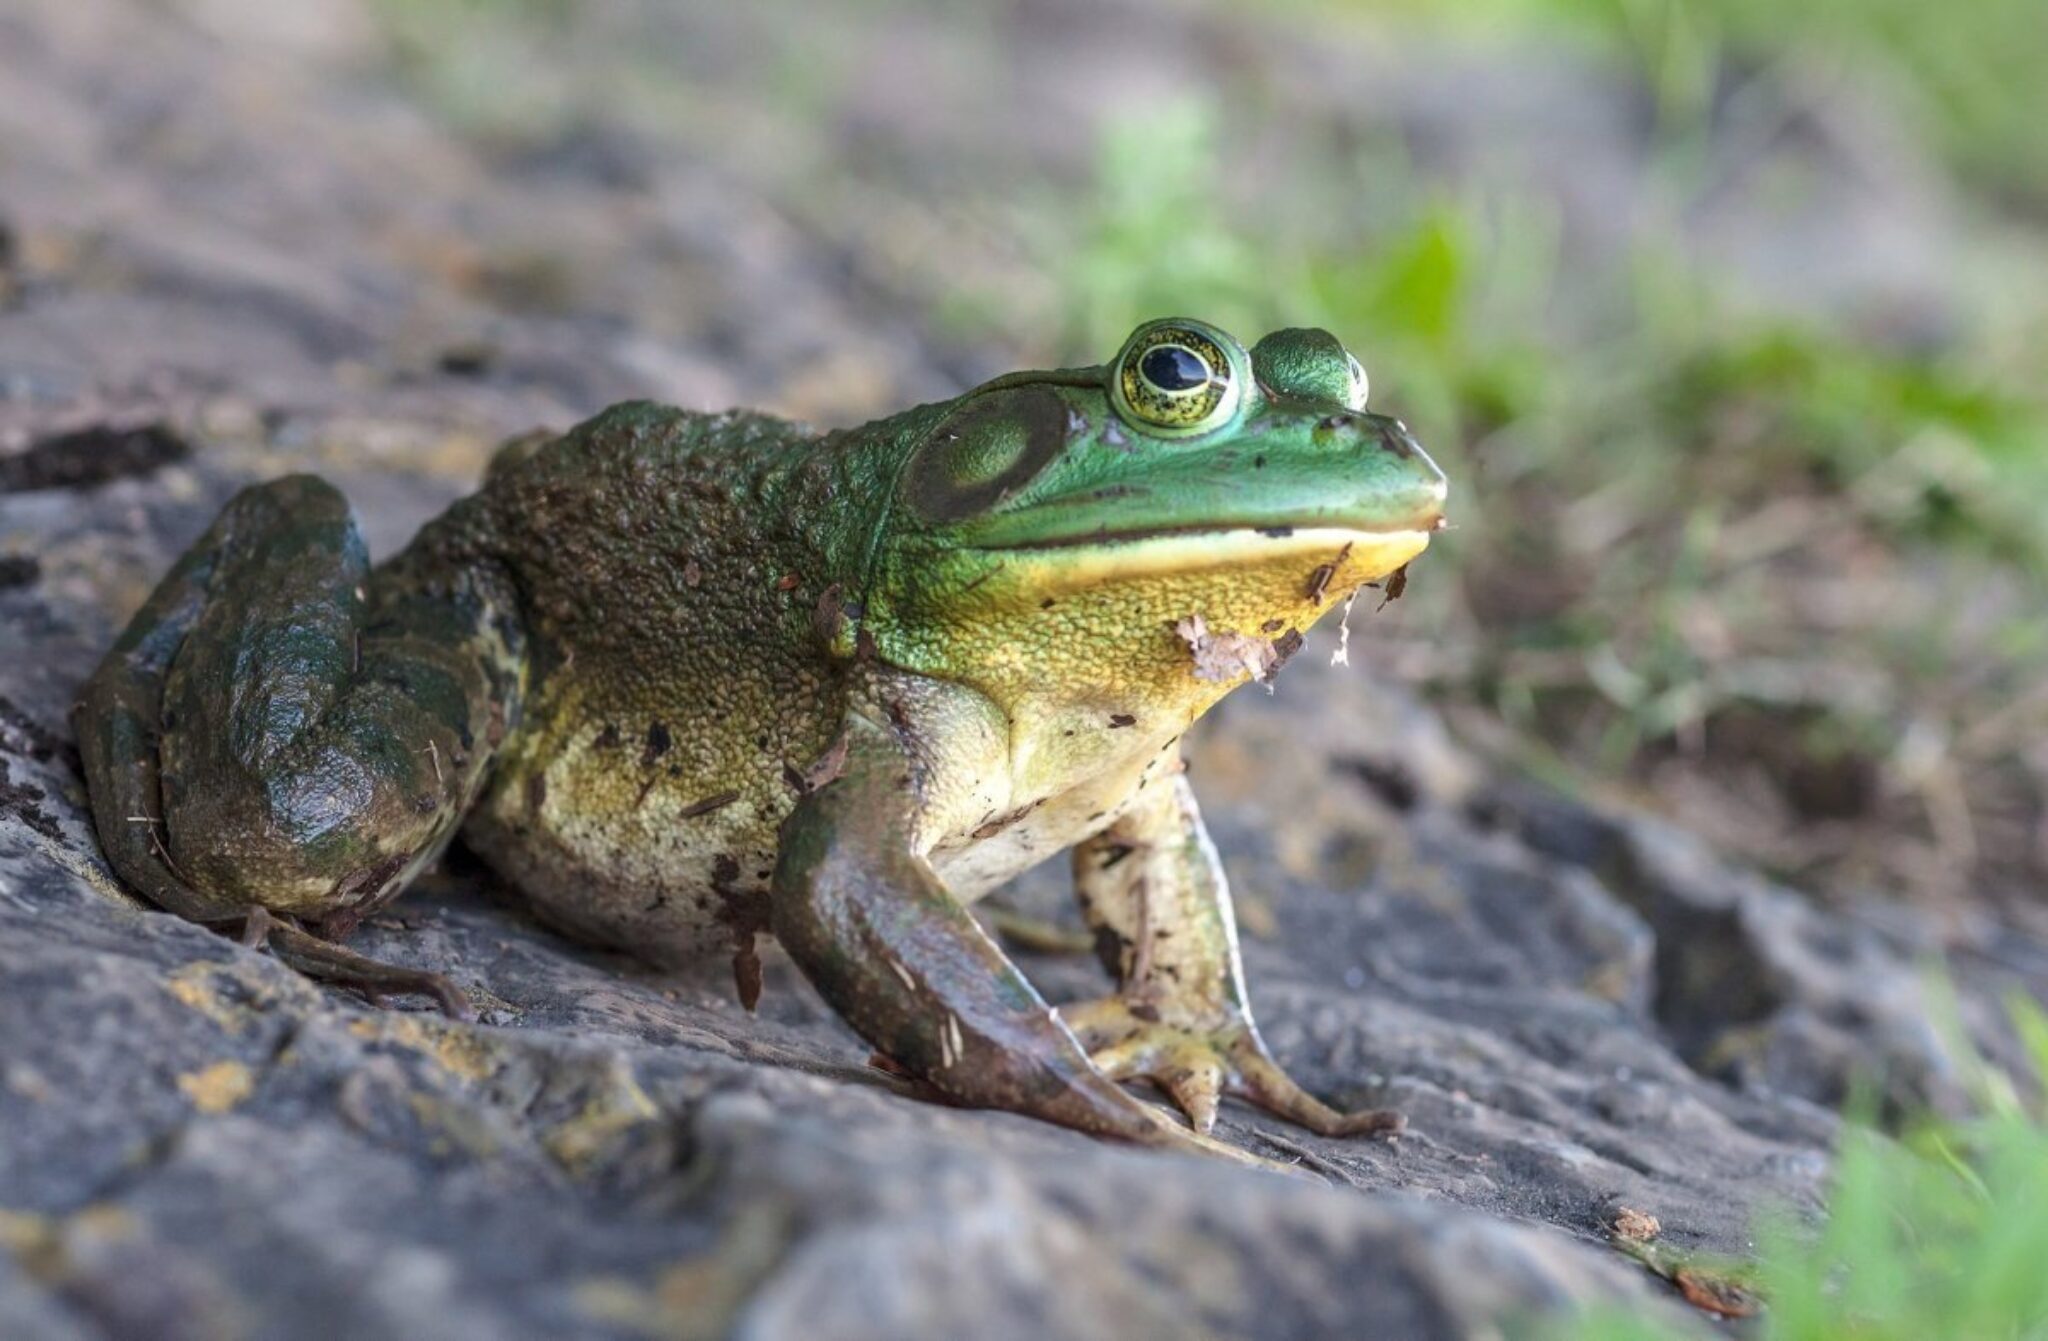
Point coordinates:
[[1342, 656], [1397, 586], [746, 973], [1119, 720], [707, 805], [787, 582], [1221, 657], [899, 716], [692, 573], [1319, 580], [826, 766], [827, 617], [746, 912]]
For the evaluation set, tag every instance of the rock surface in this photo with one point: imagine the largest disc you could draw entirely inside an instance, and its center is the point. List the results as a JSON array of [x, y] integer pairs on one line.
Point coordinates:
[[1580, 1011]]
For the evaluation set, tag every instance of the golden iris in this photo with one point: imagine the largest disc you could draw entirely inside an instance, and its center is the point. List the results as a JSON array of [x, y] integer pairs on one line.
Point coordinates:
[[1175, 379]]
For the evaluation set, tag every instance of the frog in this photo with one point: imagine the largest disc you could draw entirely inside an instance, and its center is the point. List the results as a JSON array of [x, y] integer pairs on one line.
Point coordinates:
[[702, 683]]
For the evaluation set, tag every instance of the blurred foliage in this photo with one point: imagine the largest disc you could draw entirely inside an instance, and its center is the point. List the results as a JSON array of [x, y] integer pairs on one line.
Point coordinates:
[[1967, 74], [1938, 1233], [1660, 492], [1777, 563]]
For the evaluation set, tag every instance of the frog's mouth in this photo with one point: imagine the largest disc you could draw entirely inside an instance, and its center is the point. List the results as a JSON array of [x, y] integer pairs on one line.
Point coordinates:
[[1237, 535], [1352, 555]]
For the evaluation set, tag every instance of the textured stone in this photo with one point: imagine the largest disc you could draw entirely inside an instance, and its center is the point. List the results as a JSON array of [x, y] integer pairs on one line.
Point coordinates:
[[1580, 1011]]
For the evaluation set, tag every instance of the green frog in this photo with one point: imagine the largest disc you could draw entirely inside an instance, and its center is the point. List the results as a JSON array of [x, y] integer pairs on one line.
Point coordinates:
[[688, 680]]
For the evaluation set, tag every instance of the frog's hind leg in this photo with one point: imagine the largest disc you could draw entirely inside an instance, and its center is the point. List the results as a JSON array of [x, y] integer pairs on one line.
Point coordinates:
[[280, 737], [1154, 892]]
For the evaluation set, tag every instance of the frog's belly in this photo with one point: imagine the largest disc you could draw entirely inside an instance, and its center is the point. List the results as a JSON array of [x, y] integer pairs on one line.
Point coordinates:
[[671, 877], [664, 898], [652, 879], [981, 858]]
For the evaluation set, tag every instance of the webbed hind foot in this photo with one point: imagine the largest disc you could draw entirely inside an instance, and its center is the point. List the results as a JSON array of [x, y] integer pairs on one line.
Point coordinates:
[[1197, 1067]]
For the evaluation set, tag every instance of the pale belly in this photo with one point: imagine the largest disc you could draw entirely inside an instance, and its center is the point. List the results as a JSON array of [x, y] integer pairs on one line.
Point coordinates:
[[675, 878]]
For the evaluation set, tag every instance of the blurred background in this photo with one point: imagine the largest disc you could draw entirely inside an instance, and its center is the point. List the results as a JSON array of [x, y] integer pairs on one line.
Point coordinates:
[[1725, 318]]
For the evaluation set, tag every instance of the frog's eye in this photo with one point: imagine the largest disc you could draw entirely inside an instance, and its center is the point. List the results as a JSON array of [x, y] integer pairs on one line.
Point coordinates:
[[1176, 378], [1359, 385]]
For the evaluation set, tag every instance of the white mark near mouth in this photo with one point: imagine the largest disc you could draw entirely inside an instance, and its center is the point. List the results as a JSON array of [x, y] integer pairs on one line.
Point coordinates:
[[1342, 656]]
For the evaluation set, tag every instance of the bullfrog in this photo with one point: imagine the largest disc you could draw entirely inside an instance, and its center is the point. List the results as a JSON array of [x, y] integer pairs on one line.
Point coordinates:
[[688, 681]]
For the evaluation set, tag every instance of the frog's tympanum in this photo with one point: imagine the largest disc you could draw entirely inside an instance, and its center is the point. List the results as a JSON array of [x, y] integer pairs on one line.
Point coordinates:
[[685, 680]]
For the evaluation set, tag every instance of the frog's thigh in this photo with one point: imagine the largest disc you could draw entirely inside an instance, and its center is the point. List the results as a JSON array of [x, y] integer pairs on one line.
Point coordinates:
[[321, 729], [1152, 889]]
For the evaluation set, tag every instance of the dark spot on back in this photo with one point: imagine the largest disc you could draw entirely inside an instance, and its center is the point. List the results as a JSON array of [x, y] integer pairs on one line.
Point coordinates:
[[658, 742]]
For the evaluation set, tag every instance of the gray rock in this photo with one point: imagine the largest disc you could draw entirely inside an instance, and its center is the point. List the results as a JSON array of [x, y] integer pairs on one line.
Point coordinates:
[[1580, 1011]]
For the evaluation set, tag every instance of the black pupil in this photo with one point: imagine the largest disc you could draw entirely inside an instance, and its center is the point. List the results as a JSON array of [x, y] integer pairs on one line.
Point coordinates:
[[1171, 368]]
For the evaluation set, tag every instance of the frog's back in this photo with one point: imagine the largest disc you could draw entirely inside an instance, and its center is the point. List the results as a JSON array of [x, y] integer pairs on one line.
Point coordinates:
[[677, 686]]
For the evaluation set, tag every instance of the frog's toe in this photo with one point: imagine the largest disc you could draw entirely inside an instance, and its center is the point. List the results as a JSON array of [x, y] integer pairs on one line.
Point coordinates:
[[1190, 1069], [1198, 1088], [1259, 1078]]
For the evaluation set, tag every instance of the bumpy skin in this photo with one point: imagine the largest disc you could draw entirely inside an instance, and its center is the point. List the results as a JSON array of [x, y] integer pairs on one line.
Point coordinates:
[[692, 679]]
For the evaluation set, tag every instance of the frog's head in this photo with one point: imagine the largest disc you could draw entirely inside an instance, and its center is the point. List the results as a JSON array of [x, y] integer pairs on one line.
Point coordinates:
[[1063, 530]]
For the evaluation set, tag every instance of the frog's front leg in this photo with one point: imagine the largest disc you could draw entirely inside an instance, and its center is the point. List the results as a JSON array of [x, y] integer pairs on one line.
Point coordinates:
[[1153, 890], [281, 737], [866, 918]]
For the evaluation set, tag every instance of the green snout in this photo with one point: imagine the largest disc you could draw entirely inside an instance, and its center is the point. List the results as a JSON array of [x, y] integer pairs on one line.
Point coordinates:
[[1288, 466]]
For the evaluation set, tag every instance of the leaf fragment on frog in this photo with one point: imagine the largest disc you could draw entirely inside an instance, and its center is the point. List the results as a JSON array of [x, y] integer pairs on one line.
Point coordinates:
[[1221, 657]]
